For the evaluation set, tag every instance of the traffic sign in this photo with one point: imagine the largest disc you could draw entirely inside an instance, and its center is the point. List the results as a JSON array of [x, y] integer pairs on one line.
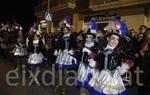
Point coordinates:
[[48, 16]]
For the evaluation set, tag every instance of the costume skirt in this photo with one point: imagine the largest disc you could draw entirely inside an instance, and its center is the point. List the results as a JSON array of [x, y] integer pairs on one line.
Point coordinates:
[[65, 61], [20, 51], [106, 82], [85, 73], [36, 60]]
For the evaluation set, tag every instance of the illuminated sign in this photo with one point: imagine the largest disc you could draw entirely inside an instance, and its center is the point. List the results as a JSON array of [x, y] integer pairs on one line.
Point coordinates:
[[99, 18]]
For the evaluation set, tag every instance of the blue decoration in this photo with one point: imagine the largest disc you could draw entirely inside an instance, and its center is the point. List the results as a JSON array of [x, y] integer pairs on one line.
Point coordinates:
[[68, 67], [93, 26], [123, 28], [48, 16], [68, 20], [35, 27]]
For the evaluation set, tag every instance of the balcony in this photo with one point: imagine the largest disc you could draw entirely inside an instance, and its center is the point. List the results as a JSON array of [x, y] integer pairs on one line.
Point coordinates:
[[58, 5], [55, 6], [98, 5]]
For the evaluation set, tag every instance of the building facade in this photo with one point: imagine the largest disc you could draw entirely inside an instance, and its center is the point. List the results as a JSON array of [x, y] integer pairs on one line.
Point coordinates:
[[134, 12]]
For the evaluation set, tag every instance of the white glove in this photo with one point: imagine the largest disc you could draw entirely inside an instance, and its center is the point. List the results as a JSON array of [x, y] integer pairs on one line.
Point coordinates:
[[124, 68], [92, 63], [71, 52], [57, 52], [86, 50]]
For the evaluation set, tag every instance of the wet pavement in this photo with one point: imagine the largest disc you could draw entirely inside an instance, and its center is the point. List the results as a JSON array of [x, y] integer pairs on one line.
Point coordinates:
[[8, 63], [28, 88]]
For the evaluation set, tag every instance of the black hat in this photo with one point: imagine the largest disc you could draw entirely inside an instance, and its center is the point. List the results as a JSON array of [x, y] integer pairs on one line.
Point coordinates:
[[65, 27], [113, 33], [89, 33]]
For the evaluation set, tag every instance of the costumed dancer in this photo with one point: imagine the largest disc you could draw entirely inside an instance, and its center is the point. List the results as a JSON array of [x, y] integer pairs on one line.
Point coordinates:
[[35, 45], [113, 64], [20, 50], [88, 64], [66, 51], [67, 45]]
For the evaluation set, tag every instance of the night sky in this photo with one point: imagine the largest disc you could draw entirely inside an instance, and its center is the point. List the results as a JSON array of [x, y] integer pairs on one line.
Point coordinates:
[[20, 10]]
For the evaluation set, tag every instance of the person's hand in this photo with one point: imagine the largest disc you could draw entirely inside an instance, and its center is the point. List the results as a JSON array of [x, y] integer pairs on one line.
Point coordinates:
[[56, 52], [124, 68], [92, 63], [86, 50], [71, 52]]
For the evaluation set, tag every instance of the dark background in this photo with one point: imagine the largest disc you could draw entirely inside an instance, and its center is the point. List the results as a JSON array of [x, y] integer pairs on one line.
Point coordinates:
[[21, 11]]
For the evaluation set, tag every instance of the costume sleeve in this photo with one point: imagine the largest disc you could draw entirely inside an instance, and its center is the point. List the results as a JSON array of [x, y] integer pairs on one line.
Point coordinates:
[[93, 58]]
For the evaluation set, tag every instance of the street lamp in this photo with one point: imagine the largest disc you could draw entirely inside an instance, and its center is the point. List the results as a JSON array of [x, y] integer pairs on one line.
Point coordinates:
[[48, 21]]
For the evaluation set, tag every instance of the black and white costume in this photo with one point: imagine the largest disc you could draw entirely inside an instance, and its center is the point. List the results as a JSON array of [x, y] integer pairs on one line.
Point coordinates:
[[113, 64], [87, 67], [36, 57], [66, 57], [20, 49]]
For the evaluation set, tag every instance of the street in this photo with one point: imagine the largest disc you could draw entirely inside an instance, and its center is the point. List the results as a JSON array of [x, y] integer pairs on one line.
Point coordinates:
[[31, 88]]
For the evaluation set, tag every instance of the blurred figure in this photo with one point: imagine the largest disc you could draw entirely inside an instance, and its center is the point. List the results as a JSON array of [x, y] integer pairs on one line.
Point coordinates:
[[36, 59], [142, 29], [145, 54], [20, 51]]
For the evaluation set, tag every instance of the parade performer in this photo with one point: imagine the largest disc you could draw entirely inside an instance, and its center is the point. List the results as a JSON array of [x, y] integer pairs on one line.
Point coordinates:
[[65, 52], [20, 50], [88, 64], [113, 64], [35, 46]]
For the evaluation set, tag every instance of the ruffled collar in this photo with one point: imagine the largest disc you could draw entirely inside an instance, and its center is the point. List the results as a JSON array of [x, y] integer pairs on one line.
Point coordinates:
[[109, 47], [67, 35], [89, 45]]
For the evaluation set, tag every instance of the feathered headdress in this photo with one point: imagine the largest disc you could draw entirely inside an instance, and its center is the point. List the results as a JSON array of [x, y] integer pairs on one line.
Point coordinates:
[[117, 25], [92, 29], [66, 22], [35, 26], [93, 26]]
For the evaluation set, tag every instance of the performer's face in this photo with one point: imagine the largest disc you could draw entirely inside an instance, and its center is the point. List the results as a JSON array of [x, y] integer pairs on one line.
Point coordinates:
[[89, 38], [65, 30], [113, 40]]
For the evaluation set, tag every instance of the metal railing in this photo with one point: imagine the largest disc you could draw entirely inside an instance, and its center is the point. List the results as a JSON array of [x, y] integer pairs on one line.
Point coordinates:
[[96, 2], [54, 3], [42, 4]]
